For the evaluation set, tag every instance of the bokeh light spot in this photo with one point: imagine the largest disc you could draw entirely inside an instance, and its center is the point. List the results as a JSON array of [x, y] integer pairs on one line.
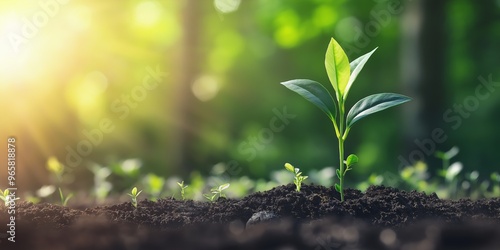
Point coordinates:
[[324, 16], [227, 6], [388, 237], [97, 80], [345, 28], [147, 13], [205, 88], [287, 34]]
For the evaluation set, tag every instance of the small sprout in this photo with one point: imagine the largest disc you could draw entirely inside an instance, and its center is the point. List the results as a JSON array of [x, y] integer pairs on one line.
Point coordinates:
[[134, 194], [446, 157], [495, 177], [64, 200], [6, 197], [57, 168], [216, 192], [183, 187], [298, 175]]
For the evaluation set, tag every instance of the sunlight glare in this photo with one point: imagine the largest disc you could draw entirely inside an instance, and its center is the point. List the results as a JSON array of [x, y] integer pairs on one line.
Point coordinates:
[[11, 61], [148, 13], [80, 18]]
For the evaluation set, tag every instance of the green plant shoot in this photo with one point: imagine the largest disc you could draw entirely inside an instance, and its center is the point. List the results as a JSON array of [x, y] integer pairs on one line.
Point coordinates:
[[216, 192], [6, 197], [57, 168], [342, 74], [64, 200], [134, 194], [299, 178], [183, 188]]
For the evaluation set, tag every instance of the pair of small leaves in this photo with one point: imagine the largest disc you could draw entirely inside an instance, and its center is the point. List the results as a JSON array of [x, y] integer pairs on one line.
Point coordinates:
[[217, 191], [220, 188], [5, 193], [134, 193], [319, 96], [339, 72], [181, 185]]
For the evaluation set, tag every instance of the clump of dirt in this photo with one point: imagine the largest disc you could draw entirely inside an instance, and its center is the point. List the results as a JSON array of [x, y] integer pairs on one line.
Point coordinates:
[[380, 218]]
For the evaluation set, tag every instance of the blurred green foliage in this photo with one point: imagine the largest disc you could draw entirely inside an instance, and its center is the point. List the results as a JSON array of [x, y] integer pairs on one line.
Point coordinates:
[[90, 54]]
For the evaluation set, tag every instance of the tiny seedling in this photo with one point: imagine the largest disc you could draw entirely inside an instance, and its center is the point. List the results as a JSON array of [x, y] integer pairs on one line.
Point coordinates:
[[183, 188], [64, 200], [6, 197], [447, 172], [342, 75], [216, 192], [134, 194], [57, 168], [299, 178], [495, 178]]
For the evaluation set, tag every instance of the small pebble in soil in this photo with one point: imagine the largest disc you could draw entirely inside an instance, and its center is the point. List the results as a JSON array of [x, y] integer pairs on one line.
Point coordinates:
[[261, 216]]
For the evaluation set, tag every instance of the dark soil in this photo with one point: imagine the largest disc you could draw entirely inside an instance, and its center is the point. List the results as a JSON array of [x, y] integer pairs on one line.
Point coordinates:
[[380, 218]]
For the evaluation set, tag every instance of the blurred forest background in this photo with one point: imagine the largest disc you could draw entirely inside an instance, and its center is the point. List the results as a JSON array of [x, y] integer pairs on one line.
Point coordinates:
[[186, 85]]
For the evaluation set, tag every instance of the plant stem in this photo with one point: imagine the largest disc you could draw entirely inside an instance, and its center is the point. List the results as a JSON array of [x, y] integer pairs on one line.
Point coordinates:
[[61, 196], [341, 163], [341, 149]]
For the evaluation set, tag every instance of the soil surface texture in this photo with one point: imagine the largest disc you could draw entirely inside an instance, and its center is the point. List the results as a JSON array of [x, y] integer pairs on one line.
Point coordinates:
[[281, 218]]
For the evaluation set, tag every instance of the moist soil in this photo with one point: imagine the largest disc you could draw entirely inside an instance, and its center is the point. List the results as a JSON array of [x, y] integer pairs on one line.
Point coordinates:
[[281, 218]]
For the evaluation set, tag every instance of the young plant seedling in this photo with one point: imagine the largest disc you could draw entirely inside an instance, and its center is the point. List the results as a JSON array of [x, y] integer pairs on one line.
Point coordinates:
[[134, 194], [446, 157], [299, 178], [216, 192], [4, 196], [64, 200], [342, 75], [55, 167], [183, 187], [495, 178]]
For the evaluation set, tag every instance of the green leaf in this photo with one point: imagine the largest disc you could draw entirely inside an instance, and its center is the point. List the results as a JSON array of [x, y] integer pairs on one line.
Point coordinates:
[[351, 160], [223, 186], [452, 152], [337, 187], [356, 67], [372, 104], [338, 68], [315, 93], [134, 191], [289, 167], [338, 173]]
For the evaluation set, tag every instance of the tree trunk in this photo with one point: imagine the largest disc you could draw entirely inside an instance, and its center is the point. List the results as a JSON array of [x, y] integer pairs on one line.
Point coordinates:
[[423, 74], [187, 69]]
